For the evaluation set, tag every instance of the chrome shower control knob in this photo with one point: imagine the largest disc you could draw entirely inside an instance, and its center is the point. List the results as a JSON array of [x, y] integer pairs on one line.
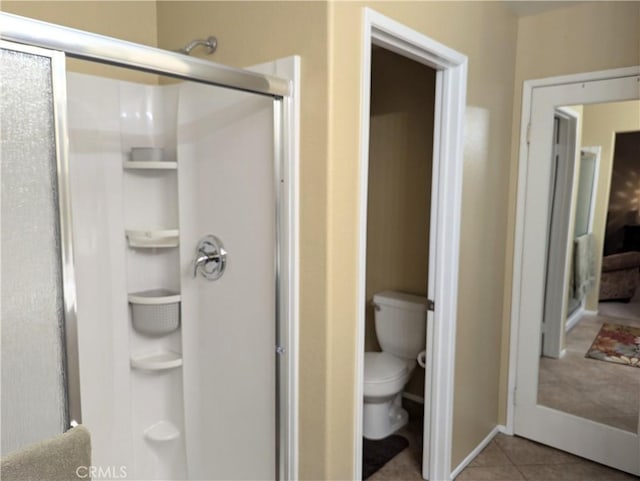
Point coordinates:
[[211, 258]]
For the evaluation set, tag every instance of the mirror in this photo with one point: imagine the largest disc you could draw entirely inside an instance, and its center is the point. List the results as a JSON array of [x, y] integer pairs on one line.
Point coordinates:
[[590, 356]]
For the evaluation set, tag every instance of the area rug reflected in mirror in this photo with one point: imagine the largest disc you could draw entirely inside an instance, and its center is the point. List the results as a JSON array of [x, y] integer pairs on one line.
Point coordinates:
[[376, 454], [617, 343]]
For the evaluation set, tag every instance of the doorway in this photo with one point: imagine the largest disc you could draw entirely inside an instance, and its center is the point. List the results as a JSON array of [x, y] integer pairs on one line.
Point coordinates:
[[565, 126], [537, 382], [444, 219], [398, 227]]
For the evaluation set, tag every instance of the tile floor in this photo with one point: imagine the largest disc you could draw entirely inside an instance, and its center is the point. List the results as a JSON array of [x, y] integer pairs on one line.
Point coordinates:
[[506, 458], [586, 387]]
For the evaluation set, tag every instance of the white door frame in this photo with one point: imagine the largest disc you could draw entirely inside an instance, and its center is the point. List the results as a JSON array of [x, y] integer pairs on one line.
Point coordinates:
[[557, 290], [287, 418], [451, 86], [519, 301], [597, 151], [574, 318]]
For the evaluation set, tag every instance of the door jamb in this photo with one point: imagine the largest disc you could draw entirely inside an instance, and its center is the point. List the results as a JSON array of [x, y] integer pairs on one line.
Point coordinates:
[[523, 158], [559, 260], [451, 83], [597, 151]]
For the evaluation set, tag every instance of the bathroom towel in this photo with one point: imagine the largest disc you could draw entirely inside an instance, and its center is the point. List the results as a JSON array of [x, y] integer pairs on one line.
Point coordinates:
[[584, 265], [66, 457]]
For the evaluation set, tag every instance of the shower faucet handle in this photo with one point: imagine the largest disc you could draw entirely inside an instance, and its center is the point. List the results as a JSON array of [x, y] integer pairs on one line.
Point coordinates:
[[211, 258]]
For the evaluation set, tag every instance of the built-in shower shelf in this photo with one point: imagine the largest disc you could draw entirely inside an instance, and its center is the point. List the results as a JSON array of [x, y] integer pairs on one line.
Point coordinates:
[[157, 361], [150, 165], [145, 239], [162, 432]]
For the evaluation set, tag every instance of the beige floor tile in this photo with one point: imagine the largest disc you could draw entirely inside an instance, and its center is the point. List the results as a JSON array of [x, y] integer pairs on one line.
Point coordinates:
[[490, 456], [493, 473], [394, 473]]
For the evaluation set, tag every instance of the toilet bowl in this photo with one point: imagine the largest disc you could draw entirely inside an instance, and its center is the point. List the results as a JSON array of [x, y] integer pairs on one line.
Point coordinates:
[[384, 378], [400, 321]]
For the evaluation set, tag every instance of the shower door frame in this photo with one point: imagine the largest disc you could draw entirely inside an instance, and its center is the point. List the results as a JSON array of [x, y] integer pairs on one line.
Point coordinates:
[[62, 41]]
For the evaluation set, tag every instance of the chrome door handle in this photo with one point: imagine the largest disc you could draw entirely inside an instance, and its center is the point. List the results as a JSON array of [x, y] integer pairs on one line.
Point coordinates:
[[211, 258]]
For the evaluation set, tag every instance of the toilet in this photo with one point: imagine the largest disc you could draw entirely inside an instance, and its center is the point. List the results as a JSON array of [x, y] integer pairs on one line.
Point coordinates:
[[400, 321]]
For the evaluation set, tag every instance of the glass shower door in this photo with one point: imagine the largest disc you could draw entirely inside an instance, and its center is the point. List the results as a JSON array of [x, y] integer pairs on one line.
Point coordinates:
[[226, 188], [35, 252]]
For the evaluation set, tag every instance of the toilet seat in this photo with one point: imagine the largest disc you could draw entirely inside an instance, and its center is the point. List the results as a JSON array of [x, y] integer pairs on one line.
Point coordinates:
[[382, 367]]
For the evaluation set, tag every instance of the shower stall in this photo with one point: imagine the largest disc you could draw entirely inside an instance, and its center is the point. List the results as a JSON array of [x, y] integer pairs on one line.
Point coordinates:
[[148, 238]]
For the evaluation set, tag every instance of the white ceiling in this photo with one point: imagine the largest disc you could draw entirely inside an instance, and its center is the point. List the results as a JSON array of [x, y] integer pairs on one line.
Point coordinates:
[[524, 8]]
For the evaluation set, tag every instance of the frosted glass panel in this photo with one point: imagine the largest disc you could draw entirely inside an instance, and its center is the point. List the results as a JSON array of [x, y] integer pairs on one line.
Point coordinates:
[[33, 389]]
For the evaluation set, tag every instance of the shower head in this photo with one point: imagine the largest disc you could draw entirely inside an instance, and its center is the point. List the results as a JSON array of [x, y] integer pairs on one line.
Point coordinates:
[[211, 43]]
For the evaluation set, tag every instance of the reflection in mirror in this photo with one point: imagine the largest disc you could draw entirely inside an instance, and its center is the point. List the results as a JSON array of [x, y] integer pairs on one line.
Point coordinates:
[[590, 354]]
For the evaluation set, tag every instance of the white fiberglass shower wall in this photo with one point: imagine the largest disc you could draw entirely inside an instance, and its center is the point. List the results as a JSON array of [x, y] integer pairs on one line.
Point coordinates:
[[194, 400], [178, 371]]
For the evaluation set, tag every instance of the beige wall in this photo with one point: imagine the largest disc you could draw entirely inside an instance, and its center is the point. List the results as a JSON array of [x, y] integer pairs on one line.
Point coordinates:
[[600, 122], [399, 191], [585, 37], [582, 38], [328, 38], [135, 21]]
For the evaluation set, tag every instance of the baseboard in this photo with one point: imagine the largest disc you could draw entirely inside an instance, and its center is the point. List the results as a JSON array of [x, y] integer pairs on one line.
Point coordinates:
[[478, 449], [573, 319], [413, 397], [505, 430], [591, 313]]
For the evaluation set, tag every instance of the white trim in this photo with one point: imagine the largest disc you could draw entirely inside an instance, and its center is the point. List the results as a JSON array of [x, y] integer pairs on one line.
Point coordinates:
[[477, 450], [574, 318], [559, 260], [523, 149], [292, 231], [365, 92], [503, 430], [590, 313], [451, 84], [529, 85], [290, 69], [597, 151], [596, 83]]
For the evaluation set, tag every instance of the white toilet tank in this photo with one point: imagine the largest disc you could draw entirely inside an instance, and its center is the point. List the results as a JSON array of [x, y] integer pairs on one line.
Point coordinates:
[[401, 322]]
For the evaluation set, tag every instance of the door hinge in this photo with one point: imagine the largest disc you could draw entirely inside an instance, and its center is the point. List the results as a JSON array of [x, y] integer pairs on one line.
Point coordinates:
[[528, 133], [431, 305], [280, 350]]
